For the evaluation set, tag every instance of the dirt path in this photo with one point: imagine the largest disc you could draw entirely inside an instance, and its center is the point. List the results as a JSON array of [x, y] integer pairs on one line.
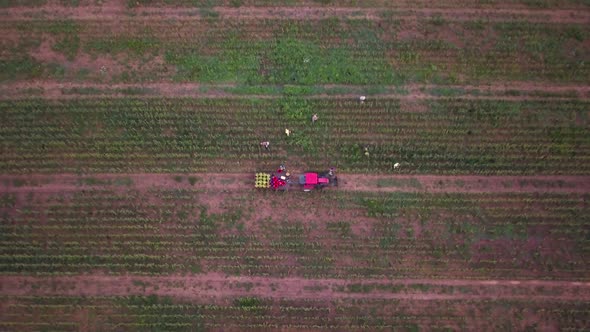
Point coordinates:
[[494, 91], [347, 182], [120, 11], [215, 285]]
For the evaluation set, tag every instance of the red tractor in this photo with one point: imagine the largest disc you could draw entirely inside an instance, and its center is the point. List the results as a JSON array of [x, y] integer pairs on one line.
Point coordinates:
[[281, 180], [314, 180]]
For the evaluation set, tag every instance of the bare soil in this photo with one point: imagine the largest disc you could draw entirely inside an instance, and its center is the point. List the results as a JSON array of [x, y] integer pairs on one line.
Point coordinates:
[[215, 285], [147, 13], [347, 182]]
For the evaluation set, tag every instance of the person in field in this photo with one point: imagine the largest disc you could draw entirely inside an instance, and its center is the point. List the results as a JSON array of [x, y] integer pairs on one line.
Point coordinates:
[[265, 145], [287, 132], [314, 118]]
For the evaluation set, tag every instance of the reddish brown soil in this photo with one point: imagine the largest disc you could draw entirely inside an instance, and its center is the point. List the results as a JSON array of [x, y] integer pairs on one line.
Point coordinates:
[[215, 285], [449, 4], [348, 182], [143, 13], [107, 66]]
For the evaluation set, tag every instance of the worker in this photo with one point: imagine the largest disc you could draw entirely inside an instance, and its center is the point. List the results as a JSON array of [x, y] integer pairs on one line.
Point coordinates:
[[362, 99], [396, 165], [266, 145], [314, 118], [287, 132], [366, 151]]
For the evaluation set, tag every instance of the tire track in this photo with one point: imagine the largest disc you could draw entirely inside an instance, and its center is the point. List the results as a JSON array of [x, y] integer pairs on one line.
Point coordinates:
[[347, 182], [120, 12], [219, 286]]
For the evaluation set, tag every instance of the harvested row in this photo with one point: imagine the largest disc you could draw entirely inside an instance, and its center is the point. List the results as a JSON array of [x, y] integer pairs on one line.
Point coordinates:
[[340, 234]]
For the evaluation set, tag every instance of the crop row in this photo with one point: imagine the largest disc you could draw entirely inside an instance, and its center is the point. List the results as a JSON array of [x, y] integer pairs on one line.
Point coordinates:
[[138, 312], [452, 136], [369, 234]]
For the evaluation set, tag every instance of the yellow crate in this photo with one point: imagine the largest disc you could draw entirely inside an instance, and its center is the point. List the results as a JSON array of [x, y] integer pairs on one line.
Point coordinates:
[[262, 180]]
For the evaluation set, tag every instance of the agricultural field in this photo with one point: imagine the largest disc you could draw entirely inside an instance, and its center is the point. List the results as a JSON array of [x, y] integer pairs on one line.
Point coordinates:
[[130, 137]]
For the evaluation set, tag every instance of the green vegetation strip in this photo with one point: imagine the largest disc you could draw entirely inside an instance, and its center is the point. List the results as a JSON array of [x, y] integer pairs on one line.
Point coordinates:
[[388, 51], [451, 136]]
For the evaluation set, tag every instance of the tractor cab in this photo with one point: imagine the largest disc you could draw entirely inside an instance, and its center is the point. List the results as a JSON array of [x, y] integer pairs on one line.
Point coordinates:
[[314, 180]]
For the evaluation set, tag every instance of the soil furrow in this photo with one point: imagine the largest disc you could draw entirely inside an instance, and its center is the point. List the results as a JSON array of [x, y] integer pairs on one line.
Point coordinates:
[[146, 13], [348, 182], [215, 285]]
